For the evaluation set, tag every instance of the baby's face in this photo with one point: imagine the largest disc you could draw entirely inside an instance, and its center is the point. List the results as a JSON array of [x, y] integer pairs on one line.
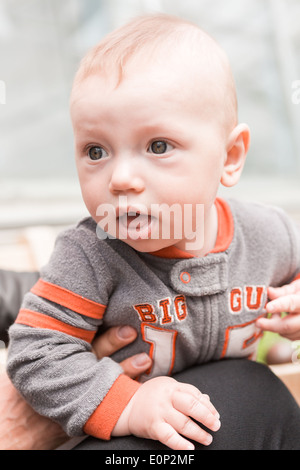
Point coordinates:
[[148, 147]]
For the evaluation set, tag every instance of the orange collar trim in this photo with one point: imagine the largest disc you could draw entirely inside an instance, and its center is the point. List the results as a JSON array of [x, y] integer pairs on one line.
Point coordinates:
[[224, 236], [225, 227]]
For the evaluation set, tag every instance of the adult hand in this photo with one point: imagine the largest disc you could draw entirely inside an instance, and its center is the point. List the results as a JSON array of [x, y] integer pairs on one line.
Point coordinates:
[[21, 428], [117, 338]]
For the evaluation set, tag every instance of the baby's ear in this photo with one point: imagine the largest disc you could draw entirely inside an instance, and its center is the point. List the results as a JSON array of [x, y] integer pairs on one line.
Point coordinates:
[[237, 148]]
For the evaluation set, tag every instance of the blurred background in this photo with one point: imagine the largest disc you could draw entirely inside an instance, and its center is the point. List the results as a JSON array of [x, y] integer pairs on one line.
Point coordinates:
[[41, 44]]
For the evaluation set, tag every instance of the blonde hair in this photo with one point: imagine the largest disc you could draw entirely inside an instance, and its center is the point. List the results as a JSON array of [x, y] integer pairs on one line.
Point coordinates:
[[148, 35]]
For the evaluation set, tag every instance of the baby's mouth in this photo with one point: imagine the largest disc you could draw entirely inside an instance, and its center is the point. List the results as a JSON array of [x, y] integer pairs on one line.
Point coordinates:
[[134, 225], [134, 218]]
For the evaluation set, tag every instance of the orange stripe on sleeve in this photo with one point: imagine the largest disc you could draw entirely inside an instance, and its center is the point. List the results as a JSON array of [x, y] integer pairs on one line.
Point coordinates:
[[103, 420], [39, 320], [68, 299]]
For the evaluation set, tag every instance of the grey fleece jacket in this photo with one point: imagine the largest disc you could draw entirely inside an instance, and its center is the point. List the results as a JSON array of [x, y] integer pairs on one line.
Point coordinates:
[[187, 311]]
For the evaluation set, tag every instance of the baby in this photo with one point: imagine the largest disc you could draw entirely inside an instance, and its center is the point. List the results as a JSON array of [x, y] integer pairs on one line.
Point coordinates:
[[154, 114]]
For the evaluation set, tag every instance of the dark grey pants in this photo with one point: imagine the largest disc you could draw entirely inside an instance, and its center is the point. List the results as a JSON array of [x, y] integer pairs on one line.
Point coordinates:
[[257, 411], [13, 287]]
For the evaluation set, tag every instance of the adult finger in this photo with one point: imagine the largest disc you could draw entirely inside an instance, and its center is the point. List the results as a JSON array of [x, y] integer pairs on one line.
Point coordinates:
[[112, 340], [136, 365]]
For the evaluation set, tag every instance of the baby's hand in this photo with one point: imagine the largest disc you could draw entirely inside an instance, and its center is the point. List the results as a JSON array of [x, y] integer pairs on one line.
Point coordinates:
[[283, 299], [162, 409]]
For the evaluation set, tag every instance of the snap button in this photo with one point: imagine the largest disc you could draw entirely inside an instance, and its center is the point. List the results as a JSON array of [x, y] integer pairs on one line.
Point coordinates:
[[185, 277], [200, 276]]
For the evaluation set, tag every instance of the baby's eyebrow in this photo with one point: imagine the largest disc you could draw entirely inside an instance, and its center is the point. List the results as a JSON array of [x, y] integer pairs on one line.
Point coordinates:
[[160, 128]]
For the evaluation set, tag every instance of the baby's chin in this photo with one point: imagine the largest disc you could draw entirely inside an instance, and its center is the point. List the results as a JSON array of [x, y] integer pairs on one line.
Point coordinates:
[[150, 245]]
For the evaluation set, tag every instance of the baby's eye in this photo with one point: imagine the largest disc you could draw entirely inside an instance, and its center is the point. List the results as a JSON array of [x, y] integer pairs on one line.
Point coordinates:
[[96, 153], [159, 147]]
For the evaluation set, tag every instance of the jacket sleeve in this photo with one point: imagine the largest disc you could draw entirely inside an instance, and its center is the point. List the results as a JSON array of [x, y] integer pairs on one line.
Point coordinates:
[[50, 360], [293, 255], [13, 287]]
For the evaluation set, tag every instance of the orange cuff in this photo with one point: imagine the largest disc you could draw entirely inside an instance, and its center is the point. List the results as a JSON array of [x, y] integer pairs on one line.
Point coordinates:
[[103, 420]]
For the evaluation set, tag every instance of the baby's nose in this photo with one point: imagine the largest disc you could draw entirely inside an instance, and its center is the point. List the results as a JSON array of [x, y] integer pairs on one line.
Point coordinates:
[[126, 177]]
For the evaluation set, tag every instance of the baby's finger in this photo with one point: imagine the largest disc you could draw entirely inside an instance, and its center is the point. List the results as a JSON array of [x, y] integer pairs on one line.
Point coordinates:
[[287, 303], [289, 326], [186, 427], [197, 409], [268, 323], [201, 397], [288, 289], [169, 437]]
